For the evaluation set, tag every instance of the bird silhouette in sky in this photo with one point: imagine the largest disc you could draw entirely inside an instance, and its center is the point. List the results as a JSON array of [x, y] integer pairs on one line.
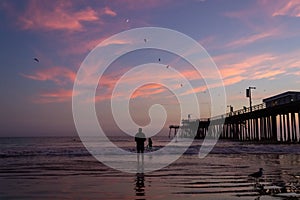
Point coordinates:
[[36, 60]]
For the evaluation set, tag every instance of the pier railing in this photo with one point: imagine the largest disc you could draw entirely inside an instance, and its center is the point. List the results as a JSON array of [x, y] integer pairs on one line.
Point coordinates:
[[241, 111]]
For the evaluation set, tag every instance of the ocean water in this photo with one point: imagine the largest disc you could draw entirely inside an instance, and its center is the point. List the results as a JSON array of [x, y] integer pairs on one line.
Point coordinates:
[[61, 168]]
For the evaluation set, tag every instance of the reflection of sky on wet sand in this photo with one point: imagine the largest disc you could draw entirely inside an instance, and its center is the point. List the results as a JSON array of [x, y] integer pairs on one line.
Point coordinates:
[[61, 168], [216, 177]]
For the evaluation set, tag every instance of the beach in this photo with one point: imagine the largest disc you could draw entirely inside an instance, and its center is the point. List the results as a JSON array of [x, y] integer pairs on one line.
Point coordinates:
[[61, 168], [86, 84]]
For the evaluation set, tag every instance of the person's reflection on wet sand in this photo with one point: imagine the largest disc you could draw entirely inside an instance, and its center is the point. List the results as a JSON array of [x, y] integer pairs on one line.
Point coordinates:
[[140, 178], [140, 186], [140, 162]]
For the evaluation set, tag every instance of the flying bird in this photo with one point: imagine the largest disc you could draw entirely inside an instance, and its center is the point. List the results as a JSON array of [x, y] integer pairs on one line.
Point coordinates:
[[257, 174], [36, 60]]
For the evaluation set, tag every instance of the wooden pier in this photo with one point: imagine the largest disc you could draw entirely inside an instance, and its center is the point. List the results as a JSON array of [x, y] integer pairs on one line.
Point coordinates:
[[275, 123]]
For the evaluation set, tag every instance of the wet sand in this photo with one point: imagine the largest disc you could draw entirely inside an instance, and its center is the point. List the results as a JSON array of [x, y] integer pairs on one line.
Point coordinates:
[[80, 176]]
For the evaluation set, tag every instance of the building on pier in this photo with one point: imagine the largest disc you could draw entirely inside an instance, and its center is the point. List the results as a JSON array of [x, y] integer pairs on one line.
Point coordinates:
[[283, 98]]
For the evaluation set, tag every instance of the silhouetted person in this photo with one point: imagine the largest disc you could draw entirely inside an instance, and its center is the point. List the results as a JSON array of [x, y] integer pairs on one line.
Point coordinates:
[[150, 144], [140, 139]]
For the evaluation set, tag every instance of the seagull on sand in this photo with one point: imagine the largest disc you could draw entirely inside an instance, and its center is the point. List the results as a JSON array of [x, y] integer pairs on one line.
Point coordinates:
[[296, 176], [257, 174]]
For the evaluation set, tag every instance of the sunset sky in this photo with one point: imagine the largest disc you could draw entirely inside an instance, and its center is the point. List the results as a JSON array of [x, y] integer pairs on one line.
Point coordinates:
[[253, 43]]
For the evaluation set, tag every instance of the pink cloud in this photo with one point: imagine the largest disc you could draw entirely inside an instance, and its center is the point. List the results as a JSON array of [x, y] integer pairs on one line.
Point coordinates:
[[55, 16], [229, 71], [197, 89], [109, 11], [265, 66], [108, 82], [59, 96], [102, 97], [83, 46], [59, 75], [264, 11], [225, 58], [148, 90], [133, 4], [249, 16], [232, 80], [145, 91], [244, 68], [87, 44], [255, 60], [191, 74], [253, 38], [258, 11], [60, 15], [235, 68], [208, 41], [268, 74], [288, 8]]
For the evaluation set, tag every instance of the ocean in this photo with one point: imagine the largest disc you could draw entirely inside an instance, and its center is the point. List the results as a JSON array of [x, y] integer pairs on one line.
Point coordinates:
[[61, 168]]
